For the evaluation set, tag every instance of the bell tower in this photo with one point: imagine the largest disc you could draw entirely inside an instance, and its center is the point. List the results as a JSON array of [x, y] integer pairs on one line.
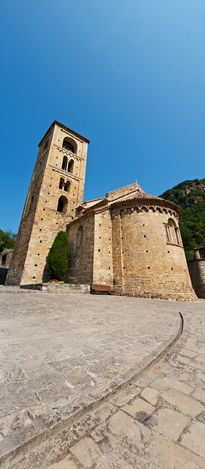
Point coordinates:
[[56, 189]]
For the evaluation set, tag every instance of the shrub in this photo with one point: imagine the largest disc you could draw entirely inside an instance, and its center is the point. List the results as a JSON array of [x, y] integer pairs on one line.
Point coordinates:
[[58, 256]]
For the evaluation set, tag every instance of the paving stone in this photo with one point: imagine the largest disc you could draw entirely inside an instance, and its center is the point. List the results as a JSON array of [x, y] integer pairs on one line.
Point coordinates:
[[98, 342], [130, 432], [65, 464], [158, 367], [170, 423], [151, 395], [194, 439], [124, 396], [116, 456], [186, 360], [185, 404], [187, 352], [92, 419], [146, 379], [200, 395], [139, 409], [55, 392], [167, 455], [87, 452], [171, 382], [200, 358], [48, 453]]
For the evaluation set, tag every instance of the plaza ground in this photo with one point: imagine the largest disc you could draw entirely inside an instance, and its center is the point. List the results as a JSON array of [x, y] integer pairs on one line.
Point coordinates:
[[98, 382]]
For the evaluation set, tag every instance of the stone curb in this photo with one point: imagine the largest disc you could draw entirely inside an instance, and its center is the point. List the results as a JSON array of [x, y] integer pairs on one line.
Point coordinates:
[[21, 449]]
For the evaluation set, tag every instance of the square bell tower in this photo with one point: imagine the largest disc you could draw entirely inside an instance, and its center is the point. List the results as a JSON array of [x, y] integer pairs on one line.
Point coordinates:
[[56, 189]]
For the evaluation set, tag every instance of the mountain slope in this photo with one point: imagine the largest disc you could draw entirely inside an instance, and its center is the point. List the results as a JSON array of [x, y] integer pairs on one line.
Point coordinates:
[[190, 195]]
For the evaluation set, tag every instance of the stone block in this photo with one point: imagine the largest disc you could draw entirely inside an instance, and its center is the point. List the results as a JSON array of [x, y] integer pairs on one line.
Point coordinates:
[[167, 455], [65, 464], [163, 383], [86, 452], [151, 395], [139, 409], [129, 432], [194, 439], [185, 404], [200, 395], [170, 423]]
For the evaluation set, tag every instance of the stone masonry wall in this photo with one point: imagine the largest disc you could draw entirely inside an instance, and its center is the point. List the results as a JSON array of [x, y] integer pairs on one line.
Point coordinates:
[[197, 273], [144, 263], [18, 260], [81, 250], [103, 265]]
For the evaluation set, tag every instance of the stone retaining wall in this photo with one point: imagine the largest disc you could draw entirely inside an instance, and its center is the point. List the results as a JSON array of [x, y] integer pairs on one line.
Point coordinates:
[[63, 288]]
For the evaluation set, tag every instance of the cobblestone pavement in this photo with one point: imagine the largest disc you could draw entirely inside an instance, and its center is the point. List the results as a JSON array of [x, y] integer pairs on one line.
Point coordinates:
[[63, 359]]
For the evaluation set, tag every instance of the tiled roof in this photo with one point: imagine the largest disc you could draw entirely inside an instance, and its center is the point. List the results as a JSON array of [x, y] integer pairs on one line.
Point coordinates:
[[137, 195], [142, 196]]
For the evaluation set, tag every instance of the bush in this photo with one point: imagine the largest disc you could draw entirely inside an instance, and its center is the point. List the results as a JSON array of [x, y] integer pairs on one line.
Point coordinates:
[[58, 256]]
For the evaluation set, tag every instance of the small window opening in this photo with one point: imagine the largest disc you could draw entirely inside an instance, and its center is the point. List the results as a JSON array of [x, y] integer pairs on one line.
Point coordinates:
[[173, 233], [79, 236], [61, 183], [67, 186], [65, 163], [62, 204], [70, 166], [68, 145]]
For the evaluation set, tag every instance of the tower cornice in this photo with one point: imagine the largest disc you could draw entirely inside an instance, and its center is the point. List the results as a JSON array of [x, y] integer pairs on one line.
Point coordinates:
[[65, 128]]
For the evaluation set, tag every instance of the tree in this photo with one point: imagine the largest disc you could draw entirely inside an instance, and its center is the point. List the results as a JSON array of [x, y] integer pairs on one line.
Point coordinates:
[[58, 256], [190, 195], [6, 240]]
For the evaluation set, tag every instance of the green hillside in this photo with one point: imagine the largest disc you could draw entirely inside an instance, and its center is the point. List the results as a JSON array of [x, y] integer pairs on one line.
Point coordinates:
[[190, 195]]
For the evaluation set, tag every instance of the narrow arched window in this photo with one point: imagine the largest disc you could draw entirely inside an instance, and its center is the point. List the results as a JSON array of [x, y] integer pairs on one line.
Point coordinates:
[[62, 204], [69, 145], [65, 163], [173, 232], [79, 235], [70, 166], [61, 183], [67, 186]]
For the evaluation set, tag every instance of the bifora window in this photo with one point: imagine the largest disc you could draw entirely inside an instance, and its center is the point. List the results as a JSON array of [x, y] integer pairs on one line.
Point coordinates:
[[173, 233], [64, 185], [67, 166]]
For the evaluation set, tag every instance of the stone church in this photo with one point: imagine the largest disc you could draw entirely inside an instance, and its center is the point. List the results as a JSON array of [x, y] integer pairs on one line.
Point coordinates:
[[127, 243]]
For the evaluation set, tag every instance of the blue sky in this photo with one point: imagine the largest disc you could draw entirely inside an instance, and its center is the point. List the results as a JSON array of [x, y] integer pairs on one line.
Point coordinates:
[[127, 74]]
